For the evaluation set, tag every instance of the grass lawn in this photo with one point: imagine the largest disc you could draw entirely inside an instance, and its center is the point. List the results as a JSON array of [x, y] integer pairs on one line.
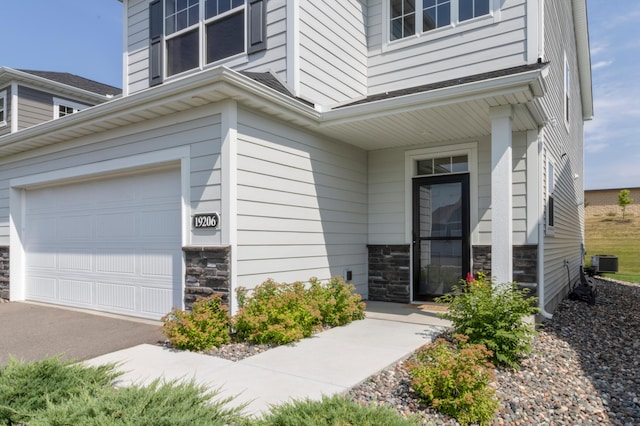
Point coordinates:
[[614, 236]]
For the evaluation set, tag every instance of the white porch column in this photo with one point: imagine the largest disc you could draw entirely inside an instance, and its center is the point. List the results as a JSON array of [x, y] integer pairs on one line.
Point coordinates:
[[501, 195]]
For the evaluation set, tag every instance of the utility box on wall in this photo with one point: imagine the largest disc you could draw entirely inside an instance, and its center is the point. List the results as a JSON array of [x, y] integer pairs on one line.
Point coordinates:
[[604, 263]]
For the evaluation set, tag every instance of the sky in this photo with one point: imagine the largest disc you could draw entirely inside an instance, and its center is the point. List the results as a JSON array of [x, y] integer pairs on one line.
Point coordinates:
[[84, 37]]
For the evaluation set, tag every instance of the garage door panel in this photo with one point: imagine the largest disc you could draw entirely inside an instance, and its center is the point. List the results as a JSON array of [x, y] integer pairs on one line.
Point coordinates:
[[75, 291], [116, 296], [111, 245]]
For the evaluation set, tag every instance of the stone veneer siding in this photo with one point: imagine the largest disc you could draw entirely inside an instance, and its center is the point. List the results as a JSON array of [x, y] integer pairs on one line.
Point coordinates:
[[525, 264], [389, 273], [207, 272], [4, 272]]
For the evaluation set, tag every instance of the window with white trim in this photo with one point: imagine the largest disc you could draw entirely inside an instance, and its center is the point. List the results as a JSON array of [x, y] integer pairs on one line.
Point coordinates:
[[411, 17], [3, 108], [566, 90], [63, 107], [190, 34]]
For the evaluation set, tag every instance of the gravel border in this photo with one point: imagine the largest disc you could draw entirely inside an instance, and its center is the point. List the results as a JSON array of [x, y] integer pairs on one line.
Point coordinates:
[[584, 369]]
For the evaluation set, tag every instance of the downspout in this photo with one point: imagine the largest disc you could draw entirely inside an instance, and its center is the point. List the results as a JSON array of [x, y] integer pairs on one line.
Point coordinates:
[[541, 204]]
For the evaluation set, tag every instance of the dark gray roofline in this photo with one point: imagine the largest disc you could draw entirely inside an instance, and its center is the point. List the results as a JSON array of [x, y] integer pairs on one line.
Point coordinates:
[[447, 83]]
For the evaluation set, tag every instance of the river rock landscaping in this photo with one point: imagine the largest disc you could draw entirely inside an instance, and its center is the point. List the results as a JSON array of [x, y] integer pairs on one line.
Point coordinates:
[[584, 369]]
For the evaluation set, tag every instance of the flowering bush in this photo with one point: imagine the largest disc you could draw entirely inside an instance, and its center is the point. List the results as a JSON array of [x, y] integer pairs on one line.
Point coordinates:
[[337, 302], [202, 328], [493, 315], [455, 379]]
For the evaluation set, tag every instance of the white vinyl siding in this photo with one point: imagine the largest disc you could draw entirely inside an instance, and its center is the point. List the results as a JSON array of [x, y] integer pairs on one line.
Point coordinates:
[[387, 193], [137, 45], [469, 48], [565, 243], [301, 205], [333, 58], [199, 130]]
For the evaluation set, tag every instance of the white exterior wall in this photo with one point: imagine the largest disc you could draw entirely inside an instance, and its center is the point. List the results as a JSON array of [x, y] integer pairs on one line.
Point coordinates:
[[137, 45], [333, 51], [388, 204], [302, 205], [195, 135], [475, 46], [564, 242]]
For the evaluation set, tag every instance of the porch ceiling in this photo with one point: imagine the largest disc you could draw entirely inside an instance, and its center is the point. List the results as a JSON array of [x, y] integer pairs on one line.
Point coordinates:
[[469, 119]]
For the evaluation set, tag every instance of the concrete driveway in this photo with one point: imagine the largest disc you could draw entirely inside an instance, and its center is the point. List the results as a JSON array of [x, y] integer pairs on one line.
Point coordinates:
[[31, 332]]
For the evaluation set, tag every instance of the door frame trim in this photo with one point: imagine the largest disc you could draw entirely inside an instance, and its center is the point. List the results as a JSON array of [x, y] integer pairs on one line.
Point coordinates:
[[411, 158]]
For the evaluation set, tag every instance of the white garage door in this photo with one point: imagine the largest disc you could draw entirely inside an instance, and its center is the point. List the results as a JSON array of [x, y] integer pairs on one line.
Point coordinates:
[[111, 245]]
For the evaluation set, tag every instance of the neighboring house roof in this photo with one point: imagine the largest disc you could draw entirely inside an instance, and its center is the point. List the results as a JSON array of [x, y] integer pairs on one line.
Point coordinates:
[[78, 88], [77, 81]]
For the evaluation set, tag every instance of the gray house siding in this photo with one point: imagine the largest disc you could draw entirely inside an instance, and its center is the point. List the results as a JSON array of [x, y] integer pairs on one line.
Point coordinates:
[[34, 107], [443, 54], [563, 243], [302, 205], [333, 58]]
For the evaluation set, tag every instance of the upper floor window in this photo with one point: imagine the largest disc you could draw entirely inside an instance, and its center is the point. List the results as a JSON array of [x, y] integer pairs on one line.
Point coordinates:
[[411, 17], [63, 107], [200, 32], [3, 108]]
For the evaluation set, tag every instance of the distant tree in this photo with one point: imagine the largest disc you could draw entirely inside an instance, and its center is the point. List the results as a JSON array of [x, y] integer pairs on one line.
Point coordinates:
[[624, 200]]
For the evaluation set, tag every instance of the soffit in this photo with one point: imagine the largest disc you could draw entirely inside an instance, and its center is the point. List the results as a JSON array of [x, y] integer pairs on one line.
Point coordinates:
[[457, 112]]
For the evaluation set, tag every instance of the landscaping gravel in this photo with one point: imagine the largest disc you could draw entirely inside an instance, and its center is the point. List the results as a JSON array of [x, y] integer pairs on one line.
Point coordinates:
[[584, 369]]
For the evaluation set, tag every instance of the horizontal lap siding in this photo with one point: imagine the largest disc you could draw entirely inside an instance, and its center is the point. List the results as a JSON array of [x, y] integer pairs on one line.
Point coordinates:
[[387, 201], [34, 107], [567, 237], [301, 205], [441, 57], [274, 59], [333, 58], [201, 134]]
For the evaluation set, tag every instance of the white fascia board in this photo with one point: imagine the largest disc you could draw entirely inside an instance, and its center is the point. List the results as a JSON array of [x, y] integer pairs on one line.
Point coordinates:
[[581, 25], [231, 84], [530, 81]]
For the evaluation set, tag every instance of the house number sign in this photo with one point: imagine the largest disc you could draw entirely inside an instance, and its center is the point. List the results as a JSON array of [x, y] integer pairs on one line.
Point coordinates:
[[206, 220]]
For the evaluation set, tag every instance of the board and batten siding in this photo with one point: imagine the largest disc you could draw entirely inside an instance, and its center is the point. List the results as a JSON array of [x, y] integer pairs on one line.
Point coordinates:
[[444, 54], [564, 242], [198, 129], [302, 205], [387, 201], [333, 51], [137, 45]]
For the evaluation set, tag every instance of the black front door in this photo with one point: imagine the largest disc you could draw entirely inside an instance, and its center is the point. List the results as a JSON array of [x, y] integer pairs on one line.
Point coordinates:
[[440, 234]]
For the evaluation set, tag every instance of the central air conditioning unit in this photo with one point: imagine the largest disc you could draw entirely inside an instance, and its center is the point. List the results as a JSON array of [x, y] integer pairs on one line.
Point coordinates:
[[604, 263]]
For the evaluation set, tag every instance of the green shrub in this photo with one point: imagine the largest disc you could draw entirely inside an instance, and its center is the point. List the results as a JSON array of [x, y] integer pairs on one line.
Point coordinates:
[[493, 316], [337, 302], [331, 411], [159, 404], [455, 380], [276, 313], [205, 326], [28, 388]]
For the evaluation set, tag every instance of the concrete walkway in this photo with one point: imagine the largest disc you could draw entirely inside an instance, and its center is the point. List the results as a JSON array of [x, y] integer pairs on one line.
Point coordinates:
[[328, 363]]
